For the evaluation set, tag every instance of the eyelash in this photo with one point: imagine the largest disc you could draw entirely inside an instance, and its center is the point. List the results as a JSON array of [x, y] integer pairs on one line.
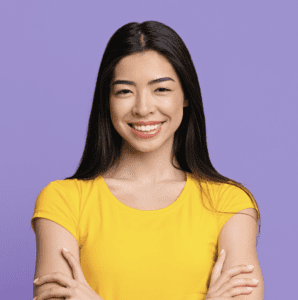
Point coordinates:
[[128, 90]]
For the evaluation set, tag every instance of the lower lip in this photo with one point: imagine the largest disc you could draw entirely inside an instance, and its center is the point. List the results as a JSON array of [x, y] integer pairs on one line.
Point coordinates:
[[145, 135]]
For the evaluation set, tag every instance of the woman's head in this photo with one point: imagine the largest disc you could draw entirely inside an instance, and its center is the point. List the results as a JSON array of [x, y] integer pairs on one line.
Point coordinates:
[[104, 143], [135, 40]]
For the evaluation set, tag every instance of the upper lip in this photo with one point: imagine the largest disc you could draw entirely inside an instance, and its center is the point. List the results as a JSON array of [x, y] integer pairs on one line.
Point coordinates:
[[147, 123]]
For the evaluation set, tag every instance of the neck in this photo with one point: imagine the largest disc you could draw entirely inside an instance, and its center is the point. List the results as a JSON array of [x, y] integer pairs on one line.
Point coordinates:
[[146, 168]]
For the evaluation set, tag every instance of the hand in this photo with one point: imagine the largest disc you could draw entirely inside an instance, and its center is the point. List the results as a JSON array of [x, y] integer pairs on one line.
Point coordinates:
[[222, 286], [73, 289]]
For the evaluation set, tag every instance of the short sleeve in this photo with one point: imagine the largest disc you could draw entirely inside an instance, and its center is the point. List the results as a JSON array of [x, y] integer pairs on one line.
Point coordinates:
[[59, 202], [232, 199]]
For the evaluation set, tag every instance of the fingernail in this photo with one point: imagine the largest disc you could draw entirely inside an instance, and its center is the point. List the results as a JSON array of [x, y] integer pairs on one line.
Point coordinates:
[[250, 267], [222, 251], [65, 250], [34, 281]]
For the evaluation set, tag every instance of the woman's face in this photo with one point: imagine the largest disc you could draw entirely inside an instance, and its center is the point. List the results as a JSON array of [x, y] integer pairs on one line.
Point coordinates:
[[142, 101]]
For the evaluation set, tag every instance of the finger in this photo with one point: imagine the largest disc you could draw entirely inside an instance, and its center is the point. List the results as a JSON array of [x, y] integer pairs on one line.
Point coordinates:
[[235, 285], [237, 291], [226, 277], [58, 277], [217, 268], [57, 292], [75, 266]]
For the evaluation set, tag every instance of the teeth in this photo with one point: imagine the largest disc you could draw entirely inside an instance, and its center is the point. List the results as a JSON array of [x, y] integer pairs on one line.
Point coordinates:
[[146, 128]]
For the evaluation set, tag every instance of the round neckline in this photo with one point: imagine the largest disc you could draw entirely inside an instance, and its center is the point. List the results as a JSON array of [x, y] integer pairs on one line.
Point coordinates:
[[129, 209]]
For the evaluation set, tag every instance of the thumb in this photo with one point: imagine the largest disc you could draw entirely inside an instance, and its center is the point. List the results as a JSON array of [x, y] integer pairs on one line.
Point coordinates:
[[217, 268]]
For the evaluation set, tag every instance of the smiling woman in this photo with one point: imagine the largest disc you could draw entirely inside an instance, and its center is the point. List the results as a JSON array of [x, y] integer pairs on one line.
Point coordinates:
[[146, 213]]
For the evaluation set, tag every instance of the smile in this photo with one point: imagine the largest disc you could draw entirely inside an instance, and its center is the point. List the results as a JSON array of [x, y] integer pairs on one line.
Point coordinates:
[[146, 134], [146, 128]]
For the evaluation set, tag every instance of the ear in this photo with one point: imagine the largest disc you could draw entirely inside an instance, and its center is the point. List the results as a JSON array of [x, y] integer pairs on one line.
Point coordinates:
[[185, 103]]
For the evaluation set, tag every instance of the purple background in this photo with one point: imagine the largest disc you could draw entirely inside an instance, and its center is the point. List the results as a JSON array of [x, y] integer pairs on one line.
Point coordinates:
[[245, 54]]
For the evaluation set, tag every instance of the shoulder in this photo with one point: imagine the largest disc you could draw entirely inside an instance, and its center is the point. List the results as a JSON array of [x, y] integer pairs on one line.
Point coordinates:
[[60, 202], [62, 188]]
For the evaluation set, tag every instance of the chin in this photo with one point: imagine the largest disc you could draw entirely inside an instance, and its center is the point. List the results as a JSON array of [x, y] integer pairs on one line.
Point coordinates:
[[142, 149]]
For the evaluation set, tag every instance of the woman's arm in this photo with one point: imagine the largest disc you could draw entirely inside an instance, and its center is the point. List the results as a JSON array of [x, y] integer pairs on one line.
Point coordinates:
[[238, 238], [50, 239]]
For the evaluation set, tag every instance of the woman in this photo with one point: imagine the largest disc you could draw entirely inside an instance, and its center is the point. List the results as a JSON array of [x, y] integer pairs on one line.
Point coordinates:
[[143, 216]]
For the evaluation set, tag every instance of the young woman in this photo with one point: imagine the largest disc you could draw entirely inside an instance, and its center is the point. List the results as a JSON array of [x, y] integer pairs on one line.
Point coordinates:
[[146, 215]]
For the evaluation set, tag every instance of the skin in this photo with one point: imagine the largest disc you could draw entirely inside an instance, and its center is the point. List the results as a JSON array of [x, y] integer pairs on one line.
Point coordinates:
[[146, 161]]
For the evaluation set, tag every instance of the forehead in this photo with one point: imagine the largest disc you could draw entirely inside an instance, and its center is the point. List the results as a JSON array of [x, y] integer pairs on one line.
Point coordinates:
[[144, 65]]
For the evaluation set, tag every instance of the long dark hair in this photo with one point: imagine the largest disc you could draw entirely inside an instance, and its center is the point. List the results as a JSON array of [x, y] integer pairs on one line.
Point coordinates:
[[103, 143]]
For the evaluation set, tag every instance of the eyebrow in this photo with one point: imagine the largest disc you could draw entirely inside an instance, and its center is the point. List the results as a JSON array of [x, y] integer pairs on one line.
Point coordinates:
[[149, 83]]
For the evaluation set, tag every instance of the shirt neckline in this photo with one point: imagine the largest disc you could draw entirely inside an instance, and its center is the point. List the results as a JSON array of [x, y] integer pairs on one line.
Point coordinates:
[[132, 210]]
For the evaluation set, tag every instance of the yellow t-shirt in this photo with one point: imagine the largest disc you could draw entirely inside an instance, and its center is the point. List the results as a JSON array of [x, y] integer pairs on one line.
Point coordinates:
[[130, 254]]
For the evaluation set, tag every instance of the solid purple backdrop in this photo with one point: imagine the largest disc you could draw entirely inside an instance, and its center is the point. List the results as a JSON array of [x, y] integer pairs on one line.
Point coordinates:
[[245, 55]]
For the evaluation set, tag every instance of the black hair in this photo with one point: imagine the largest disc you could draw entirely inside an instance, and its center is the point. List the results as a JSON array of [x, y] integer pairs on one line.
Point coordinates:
[[103, 143]]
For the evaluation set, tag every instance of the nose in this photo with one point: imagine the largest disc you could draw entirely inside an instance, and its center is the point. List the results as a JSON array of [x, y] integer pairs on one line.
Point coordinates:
[[143, 105]]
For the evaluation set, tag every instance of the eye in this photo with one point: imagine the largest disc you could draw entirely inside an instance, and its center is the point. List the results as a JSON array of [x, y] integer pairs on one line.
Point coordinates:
[[163, 89], [120, 92]]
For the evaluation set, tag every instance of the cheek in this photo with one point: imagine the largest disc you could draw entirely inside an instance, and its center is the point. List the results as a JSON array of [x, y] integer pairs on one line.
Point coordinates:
[[175, 112], [118, 115], [117, 112]]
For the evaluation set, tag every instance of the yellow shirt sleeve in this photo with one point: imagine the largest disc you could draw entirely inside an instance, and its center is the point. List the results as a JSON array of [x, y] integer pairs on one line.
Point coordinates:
[[59, 202], [231, 199]]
